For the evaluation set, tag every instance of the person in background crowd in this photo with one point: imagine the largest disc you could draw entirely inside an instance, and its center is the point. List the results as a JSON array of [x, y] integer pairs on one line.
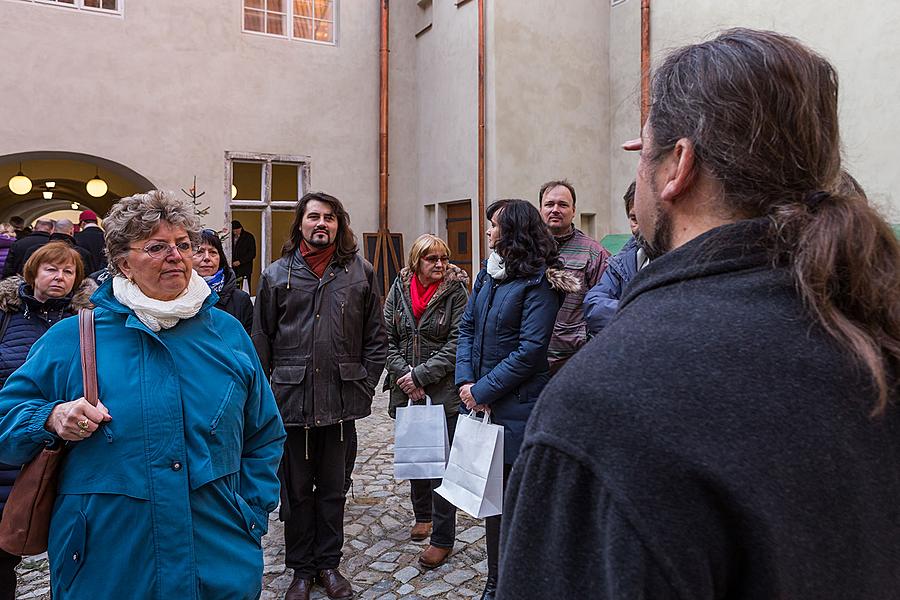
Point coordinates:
[[422, 313], [28, 307], [16, 258], [18, 225], [7, 239], [90, 237], [581, 256], [601, 302], [501, 358], [167, 483], [243, 252], [734, 433], [210, 264], [62, 232], [319, 330]]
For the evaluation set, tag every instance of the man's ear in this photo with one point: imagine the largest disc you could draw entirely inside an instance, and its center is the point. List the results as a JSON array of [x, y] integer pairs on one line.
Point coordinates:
[[680, 175]]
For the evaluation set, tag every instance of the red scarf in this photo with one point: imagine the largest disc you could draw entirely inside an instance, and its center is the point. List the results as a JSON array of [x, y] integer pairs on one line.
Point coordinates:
[[317, 258], [421, 295]]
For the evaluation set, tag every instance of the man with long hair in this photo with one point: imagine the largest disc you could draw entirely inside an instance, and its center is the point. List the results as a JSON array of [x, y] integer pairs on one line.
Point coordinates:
[[319, 332], [735, 431]]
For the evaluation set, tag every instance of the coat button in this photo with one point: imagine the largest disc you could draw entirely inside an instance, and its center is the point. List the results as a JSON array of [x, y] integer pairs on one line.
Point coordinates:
[[317, 316], [317, 369], [176, 466], [75, 557], [252, 526]]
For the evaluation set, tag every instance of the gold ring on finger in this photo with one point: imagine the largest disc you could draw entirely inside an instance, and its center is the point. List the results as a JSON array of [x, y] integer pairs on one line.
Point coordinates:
[[82, 433], [83, 424]]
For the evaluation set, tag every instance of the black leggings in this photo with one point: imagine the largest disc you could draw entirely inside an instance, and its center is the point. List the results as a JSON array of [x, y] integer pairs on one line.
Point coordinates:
[[492, 534], [8, 564]]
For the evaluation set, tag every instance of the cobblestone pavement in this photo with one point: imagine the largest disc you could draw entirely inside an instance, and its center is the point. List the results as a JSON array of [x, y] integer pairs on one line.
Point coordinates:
[[379, 557]]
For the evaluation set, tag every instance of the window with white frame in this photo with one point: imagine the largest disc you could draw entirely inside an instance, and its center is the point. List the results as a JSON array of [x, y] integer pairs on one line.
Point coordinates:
[[312, 20], [108, 6]]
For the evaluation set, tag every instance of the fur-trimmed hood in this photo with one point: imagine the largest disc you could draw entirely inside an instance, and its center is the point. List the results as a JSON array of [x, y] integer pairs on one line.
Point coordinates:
[[563, 280], [10, 300]]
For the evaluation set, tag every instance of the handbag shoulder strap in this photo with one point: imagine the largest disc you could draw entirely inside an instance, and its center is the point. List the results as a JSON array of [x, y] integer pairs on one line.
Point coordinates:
[[88, 354]]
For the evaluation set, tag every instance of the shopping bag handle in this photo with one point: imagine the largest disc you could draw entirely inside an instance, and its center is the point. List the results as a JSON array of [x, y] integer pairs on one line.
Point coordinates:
[[486, 420], [427, 401]]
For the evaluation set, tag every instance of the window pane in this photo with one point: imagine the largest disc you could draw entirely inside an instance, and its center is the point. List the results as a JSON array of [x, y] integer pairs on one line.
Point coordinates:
[[284, 182], [303, 8], [254, 20], [247, 178], [275, 24], [110, 4], [324, 9], [303, 28], [324, 31], [275, 6], [258, 4]]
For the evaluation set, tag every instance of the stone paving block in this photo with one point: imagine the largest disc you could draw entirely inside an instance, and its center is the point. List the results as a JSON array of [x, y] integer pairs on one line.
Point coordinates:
[[459, 576], [379, 547], [384, 567], [406, 574], [439, 587], [405, 589], [470, 535]]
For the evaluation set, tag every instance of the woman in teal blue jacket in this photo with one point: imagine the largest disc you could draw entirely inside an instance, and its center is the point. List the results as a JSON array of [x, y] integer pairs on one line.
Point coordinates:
[[166, 485]]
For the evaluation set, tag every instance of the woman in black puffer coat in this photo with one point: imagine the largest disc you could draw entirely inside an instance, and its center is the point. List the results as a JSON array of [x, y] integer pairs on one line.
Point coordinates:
[[28, 307], [210, 264]]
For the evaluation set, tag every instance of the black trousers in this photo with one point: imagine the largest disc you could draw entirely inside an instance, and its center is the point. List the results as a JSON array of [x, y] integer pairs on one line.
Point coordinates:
[[431, 507], [314, 476], [492, 534], [8, 564]]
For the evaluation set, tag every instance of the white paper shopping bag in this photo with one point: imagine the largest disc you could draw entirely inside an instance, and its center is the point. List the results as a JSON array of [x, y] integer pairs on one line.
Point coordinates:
[[421, 444], [473, 481]]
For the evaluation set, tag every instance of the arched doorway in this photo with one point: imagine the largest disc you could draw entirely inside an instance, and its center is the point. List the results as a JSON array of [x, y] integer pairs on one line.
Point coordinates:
[[64, 175]]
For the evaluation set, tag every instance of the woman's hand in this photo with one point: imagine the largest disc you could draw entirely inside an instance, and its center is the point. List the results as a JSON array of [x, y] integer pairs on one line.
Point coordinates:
[[76, 420], [466, 397], [407, 385]]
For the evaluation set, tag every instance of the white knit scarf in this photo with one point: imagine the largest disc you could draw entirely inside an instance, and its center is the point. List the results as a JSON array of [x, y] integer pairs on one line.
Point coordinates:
[[495, 267], [162, 314]]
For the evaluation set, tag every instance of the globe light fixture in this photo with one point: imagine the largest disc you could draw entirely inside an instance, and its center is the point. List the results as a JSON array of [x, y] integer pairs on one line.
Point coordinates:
[[96, 187], [19, 184], [50, 184], [75, 206], [233, 191], [47, 195]]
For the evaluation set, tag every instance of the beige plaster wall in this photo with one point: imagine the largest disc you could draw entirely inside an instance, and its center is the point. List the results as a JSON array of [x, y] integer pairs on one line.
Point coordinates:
[[172, 85], [549, 105], [857, 37]]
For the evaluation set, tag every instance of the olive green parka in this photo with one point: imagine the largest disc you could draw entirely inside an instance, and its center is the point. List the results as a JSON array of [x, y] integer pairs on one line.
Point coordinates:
[[428, 347]]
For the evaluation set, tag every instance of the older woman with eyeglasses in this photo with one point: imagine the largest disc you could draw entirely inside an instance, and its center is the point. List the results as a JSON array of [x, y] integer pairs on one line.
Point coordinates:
[[422, 313], [167, 483]]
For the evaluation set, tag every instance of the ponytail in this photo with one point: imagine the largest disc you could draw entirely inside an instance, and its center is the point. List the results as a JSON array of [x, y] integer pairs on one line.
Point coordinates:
[[845, 262]]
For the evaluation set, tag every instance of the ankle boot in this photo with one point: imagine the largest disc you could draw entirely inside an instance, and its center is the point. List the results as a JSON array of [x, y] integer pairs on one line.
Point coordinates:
[[490, 588]]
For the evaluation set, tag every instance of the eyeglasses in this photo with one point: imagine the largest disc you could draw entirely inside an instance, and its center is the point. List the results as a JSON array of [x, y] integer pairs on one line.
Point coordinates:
[[433, 258], [160, 250]]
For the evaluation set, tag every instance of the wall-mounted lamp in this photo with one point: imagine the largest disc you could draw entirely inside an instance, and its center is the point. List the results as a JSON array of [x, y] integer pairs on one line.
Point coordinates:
[[47, 195], [19, 183], [96, 187], [233, 191], [50, 184], [75, 206]]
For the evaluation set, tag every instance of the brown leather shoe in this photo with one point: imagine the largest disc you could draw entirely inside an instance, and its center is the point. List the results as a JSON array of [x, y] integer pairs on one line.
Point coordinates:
[[336, 586], [420, 531], [299, 589], [433, 557]]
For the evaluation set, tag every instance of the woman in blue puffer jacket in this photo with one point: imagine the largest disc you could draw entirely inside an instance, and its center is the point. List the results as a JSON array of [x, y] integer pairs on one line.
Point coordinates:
[[28, 307], [501, 358]]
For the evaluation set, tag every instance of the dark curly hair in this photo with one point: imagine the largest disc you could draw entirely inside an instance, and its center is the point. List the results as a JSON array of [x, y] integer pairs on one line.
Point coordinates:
[[525, 243]]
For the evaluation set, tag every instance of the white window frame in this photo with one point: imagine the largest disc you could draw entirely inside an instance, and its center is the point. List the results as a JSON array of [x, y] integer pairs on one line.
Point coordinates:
[[79, 5], [265, 204], [335, 10]]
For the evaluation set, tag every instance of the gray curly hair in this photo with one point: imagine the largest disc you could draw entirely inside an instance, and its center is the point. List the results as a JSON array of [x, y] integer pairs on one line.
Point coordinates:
[[137, 217]]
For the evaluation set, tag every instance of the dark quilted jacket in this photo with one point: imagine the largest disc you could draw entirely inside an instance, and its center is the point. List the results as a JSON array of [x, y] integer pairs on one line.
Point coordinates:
[[28, 320]]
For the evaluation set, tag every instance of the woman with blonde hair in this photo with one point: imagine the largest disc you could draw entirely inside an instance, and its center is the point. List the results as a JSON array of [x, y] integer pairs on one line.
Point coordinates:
[[422, 312]]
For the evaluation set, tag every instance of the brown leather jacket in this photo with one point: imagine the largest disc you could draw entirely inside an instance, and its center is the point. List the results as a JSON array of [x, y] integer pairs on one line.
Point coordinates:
[[321, 340]]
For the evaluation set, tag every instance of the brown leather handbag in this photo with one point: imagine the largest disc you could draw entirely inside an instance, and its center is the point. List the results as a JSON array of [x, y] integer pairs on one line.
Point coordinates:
[[25, 526]]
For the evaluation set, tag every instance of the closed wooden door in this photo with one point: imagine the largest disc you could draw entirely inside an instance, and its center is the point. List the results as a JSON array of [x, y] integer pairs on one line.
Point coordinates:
[[459, 235]]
